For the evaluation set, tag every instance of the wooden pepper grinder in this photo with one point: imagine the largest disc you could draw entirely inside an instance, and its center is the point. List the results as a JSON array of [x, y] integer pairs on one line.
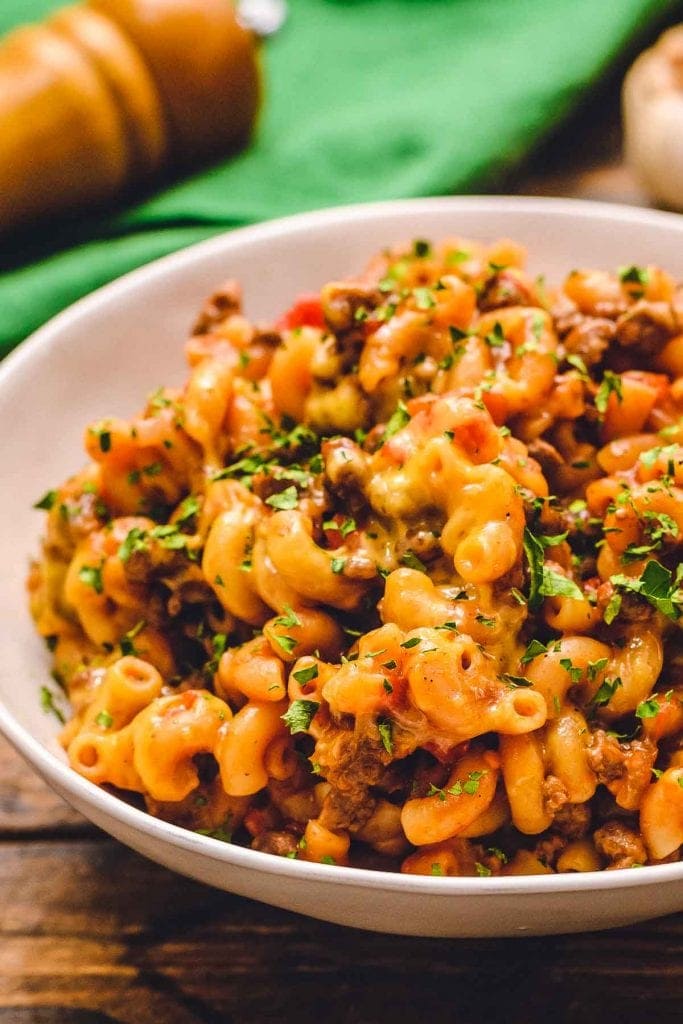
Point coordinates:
[[107, 95]]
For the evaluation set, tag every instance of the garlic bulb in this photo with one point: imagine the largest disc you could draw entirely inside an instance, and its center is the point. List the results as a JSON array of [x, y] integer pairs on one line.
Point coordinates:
[[652, 106]]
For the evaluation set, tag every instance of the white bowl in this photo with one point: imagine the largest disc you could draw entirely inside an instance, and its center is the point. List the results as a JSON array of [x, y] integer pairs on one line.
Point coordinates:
[[109, 350]]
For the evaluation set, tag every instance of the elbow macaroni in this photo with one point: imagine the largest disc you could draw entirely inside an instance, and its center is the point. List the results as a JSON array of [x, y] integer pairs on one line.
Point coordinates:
[[395, 578]]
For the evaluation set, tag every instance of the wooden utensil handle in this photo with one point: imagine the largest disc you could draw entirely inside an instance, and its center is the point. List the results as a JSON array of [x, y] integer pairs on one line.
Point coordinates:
[[109, 94]]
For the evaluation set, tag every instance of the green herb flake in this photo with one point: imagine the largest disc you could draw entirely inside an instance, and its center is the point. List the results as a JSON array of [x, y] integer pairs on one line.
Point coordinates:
[[606, 691], [410, 559], [47, 703], [397, 422], [634, 275], [103, 436], [485, 620], [385, 733], [285, 500], [578, 364], [104, 719], [611, 385], [188, 508], [424, 299], [534, 649], [220, 834], [412, 642], [347, 527], [496, 338], [299, 715], [573, 671], [515, 681], [91, 575], [648, 708], [287, 643], [289, 619], [47, 501], [337, 565], [657, 586], [612, 609], [135, 541], [306, 675]]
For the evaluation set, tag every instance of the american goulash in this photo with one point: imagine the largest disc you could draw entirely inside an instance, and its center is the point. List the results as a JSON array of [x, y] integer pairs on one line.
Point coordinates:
[[394, 581]]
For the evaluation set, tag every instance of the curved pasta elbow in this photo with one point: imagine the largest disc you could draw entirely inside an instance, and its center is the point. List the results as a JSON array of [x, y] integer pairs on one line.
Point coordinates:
[[469, 791], [226, 564], [454, 685], [169, 734], [241, 750], [523, 765], [661, 815], [306, 567], [411, 600], [106, 758]]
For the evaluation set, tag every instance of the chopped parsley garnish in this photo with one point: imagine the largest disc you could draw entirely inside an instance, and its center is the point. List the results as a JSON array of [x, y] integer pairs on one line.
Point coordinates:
[[126, 643], [397, 422], [544, 581], [306, 675], [47, 703], [611, 385], [410, 559], [287, 643], [534, 648], [347, 527], [299, 715], [285, 500], [290, 618], [424, 298], [337, 565], [469, 786], [482, 870], [215, 833], [606, 691], [647, 708], [573, 671], [612, 609], [515, 681], [412, 642], [104, 719], [496, 338], [47, 501], [634, 275], [484, 620], [135, 541], [578, 364], [103, 435], [91, 575], [188, 508], [385, 733], [421, 249], [657, 585]]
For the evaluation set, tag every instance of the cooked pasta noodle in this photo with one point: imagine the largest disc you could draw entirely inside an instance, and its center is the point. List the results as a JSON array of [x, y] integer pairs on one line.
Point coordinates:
[[394, 581]]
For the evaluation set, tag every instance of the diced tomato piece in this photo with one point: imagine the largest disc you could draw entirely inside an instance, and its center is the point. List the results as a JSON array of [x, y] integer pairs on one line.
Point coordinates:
[[307, 311]]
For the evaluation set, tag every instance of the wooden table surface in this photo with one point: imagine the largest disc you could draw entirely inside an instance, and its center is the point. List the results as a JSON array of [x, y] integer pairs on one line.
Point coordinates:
[[93, 933]]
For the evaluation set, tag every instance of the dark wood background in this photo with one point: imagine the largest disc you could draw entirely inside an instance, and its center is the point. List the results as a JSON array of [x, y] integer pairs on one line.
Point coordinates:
[[92, 933]]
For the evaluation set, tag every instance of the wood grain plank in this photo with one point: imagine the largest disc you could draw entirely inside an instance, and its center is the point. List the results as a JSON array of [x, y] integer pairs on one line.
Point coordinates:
[[27, 804], [92, 926]]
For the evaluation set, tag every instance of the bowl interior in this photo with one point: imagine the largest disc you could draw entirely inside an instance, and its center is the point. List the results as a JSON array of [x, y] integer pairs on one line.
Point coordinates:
[[105, 354]]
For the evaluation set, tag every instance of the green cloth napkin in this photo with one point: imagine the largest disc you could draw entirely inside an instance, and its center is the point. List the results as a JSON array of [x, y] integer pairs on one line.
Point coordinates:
[[366, 99]]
